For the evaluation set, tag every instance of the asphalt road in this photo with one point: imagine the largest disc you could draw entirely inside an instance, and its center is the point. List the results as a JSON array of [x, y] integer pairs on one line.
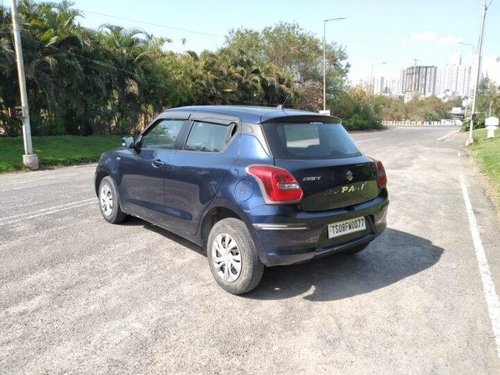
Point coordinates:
[[79, 295]]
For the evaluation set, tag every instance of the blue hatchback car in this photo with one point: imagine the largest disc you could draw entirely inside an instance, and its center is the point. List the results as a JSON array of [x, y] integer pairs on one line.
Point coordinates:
[[255, 186]]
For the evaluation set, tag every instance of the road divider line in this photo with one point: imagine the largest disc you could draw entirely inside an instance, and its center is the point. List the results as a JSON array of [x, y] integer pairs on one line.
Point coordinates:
[[48, 209], [37, 185], [447, 135], [45, 211], [484, 269]]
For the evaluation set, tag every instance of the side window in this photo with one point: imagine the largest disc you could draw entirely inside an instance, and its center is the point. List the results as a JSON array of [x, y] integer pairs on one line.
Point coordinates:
[[207, 137], [163, 134]]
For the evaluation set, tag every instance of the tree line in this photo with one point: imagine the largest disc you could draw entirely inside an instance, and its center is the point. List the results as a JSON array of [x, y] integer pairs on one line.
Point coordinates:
[[360, 109], [114, 80]]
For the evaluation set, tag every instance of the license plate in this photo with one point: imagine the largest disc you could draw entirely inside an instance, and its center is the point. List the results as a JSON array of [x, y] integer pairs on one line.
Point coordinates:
[[346, 227]]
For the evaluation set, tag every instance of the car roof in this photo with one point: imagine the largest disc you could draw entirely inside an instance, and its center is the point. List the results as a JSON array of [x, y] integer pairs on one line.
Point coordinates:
[[248, 114]]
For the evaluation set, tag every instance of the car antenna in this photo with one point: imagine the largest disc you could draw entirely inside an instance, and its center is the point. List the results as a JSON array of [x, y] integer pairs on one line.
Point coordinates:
[[281, 106]]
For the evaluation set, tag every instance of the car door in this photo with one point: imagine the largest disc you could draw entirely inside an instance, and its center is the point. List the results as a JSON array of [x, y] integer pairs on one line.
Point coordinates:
[[199, 169], [143, 170]]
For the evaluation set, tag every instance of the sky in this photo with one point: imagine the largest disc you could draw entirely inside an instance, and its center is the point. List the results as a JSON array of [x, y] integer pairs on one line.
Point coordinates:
[[382, 36]]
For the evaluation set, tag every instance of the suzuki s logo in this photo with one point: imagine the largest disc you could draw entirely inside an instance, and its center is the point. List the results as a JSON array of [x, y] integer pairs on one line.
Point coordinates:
[[349, 176]]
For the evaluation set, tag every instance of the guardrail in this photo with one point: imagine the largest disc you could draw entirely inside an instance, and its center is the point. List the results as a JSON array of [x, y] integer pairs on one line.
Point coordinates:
[[445, 122]]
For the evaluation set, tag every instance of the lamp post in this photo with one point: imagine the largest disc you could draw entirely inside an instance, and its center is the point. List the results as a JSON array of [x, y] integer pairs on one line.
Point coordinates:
[[29, 159], [372, 80], [324, 57], [478, 75]]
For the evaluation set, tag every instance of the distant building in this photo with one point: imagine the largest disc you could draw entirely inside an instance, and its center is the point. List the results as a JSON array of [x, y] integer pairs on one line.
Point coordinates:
[[378, 85], [419, 79], [454, 80], [392, 86], [444, 81], [384, 85]]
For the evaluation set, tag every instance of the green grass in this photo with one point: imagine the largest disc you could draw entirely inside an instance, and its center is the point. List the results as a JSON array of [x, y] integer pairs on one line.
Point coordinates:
[[486, 152], [56, 150]]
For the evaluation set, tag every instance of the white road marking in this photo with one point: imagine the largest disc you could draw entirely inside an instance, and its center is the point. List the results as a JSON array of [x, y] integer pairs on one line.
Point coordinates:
[[45, 211], [459, 154], [447, 135], [490, 293], [38, 185]]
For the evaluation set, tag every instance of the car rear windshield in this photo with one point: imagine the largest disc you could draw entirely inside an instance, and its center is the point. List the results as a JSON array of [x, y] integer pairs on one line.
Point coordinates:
[[314, 140]]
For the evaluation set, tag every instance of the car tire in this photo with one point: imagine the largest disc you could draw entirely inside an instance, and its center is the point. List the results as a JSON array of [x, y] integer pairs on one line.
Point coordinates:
[[356, 249], [232, 257], [109, 203]]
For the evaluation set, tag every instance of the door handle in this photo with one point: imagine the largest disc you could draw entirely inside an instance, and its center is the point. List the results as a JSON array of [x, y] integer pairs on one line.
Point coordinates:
[[158, 163]]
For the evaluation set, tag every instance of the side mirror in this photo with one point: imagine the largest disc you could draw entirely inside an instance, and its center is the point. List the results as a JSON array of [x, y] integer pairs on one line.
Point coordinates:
[[128, 142]]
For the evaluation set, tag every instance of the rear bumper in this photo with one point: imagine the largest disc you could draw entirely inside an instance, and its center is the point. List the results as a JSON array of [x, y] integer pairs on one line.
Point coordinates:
[[289, 237]]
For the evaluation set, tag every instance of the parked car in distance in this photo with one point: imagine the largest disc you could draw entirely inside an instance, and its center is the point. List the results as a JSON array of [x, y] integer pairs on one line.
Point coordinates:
[[255, 186]]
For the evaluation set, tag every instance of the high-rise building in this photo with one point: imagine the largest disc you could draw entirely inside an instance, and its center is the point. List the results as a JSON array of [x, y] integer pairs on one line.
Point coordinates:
[[454, 80], [392, 86], [386, 86], [464, 80], [378, 85], [419, 79], [443, 81]]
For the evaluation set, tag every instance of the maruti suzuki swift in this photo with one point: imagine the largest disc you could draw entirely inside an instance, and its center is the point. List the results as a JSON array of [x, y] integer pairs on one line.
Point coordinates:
[[255, 186]]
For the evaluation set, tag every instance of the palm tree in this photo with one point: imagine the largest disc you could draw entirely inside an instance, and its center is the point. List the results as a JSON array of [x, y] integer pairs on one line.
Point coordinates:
[[8, 91], [53, 71], [128, 52]]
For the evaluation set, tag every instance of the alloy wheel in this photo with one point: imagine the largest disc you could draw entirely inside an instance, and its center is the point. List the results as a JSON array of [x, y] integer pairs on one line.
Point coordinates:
[[106, 198], [226, 257]]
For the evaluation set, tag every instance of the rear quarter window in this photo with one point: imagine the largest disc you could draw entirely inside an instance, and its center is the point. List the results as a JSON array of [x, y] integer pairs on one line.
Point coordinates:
[[310, 141], [207, 137]]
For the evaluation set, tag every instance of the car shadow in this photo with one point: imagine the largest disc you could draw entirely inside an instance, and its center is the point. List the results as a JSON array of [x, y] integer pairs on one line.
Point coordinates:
[[392, 257], [134, 221]]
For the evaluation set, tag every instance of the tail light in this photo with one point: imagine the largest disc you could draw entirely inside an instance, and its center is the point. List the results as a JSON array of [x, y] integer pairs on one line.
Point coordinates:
[[278, 186], [381, 176]]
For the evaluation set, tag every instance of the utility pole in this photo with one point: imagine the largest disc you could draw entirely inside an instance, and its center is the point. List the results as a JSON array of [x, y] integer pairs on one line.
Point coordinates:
[[30, 160], [470, 139]]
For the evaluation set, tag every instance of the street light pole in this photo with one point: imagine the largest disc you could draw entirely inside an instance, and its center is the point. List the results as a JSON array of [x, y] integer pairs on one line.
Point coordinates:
[[29, 159], [478, 75], [324, 57]]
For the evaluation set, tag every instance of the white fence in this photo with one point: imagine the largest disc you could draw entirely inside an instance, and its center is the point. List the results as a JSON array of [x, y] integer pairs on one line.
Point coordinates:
[[445, 122]]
